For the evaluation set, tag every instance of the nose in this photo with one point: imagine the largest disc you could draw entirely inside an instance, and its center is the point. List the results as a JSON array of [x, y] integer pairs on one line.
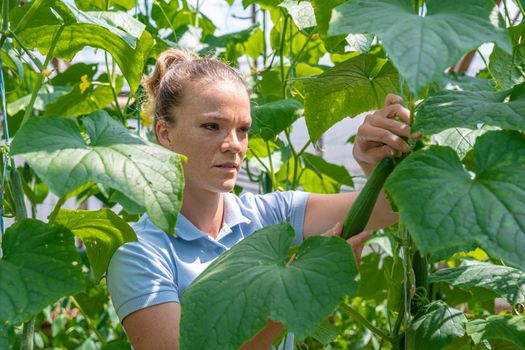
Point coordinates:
[[231, 142]]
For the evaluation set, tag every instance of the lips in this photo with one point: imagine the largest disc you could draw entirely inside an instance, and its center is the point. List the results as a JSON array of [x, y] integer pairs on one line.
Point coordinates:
[[227, 165]]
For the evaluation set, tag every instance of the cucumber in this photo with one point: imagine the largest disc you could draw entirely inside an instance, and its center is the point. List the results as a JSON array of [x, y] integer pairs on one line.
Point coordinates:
[[359, 214]]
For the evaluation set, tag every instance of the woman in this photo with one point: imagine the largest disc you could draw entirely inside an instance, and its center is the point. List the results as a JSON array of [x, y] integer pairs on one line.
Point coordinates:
[[202, 110]]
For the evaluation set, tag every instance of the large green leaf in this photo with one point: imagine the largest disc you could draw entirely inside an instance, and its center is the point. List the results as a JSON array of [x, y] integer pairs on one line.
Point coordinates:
[[457, 207], [435, 327], [354, 86], [507, 282], [101, 231], [466, 109], [337, 172], [128, 48], [510, 328], [90, 5], [255, 280], [272, 118], [460, 140], [421, 47], [40, 265], [148, 174]]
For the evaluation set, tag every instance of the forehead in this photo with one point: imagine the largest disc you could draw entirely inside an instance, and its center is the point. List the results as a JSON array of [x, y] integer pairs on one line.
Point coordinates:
[[223, 97]]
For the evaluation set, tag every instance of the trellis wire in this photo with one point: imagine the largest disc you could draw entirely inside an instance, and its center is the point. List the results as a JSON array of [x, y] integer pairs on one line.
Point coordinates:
[[5, 157]]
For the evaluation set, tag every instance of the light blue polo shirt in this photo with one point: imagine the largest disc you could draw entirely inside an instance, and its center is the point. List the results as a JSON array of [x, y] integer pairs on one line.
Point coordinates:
[[158, 267]]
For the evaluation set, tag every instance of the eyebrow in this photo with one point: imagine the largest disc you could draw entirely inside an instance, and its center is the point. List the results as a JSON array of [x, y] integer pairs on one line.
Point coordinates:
[[218, 117]]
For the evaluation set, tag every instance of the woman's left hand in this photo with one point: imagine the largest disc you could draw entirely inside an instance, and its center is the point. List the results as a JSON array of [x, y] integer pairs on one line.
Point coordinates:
[[357, 242], [381, 135]]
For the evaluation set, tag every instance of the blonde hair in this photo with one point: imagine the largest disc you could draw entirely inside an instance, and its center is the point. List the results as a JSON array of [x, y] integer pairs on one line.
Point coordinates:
[[174, 69]]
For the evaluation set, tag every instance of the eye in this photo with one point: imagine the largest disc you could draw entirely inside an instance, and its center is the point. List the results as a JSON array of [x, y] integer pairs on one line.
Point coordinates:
[[210, 126], [245, 129]]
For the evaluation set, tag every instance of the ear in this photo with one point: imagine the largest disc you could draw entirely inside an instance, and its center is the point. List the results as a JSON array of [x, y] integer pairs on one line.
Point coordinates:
[[162, 130]]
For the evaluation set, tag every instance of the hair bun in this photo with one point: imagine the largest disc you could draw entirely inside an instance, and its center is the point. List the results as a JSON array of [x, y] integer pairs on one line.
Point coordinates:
[[165, 61]]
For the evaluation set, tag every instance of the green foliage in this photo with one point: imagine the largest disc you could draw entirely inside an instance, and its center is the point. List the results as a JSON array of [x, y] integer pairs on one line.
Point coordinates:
[[102, 232], [298, 292], [30, 248], [509, 328], [117, 33], [507, 282], [113, 157], [421, 47], [458, 208], [270, 119], [436, 326], [354, 86], [466, 109]]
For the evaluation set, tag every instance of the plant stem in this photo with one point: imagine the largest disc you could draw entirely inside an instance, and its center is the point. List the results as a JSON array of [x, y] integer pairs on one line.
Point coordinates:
[[113, 91], [88, 321], [399, 319], [28, 332], [34, 94], [359, 318], [270, 161], [52, 217], [5, 16], [281, 53], [28, 335], [520, 7], [36, 4]]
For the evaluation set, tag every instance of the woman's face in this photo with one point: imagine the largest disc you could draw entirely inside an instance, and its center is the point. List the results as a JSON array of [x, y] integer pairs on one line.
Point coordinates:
[[211, 129]]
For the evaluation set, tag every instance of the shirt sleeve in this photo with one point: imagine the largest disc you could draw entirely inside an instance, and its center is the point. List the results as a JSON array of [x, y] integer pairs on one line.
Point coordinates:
[[139, 276], [288, 206]]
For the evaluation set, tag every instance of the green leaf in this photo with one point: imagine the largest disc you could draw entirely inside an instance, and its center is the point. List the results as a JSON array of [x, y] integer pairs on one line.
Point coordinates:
[[326, 332], [72, 75], [508, 70], [337, 172], [460, 140], [421, 47], [323, 11], [466, 109], [510, 328], [128, 48], [254, 281], [101, 231], [301, 12], [46, 95], [76, 102], [94, 299], [39, 266], [148, 174], [455, 207], [90, 5], [270, 119], [164, 13], [507, 282], [435, 327], [313, 182], [356, 85]]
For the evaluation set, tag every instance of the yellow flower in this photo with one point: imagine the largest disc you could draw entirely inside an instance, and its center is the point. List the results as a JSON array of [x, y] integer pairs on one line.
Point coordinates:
[[146, 121], [84, 83]]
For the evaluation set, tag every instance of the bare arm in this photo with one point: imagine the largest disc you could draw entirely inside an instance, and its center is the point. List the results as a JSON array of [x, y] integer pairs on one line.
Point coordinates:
[[157, 328]]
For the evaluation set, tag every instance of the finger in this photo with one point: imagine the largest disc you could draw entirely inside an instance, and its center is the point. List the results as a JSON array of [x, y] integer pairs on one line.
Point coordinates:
[[334, 231], [371, 133], [395, 110], [391, 125], [392, 99], [375, 155], [360, 238]]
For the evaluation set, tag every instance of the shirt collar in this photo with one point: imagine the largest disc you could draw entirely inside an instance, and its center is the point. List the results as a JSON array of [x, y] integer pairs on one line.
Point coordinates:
[[233, 216]]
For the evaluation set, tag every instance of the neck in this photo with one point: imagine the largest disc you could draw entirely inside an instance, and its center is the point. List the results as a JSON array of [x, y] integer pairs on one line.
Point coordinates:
[[204, 209]]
